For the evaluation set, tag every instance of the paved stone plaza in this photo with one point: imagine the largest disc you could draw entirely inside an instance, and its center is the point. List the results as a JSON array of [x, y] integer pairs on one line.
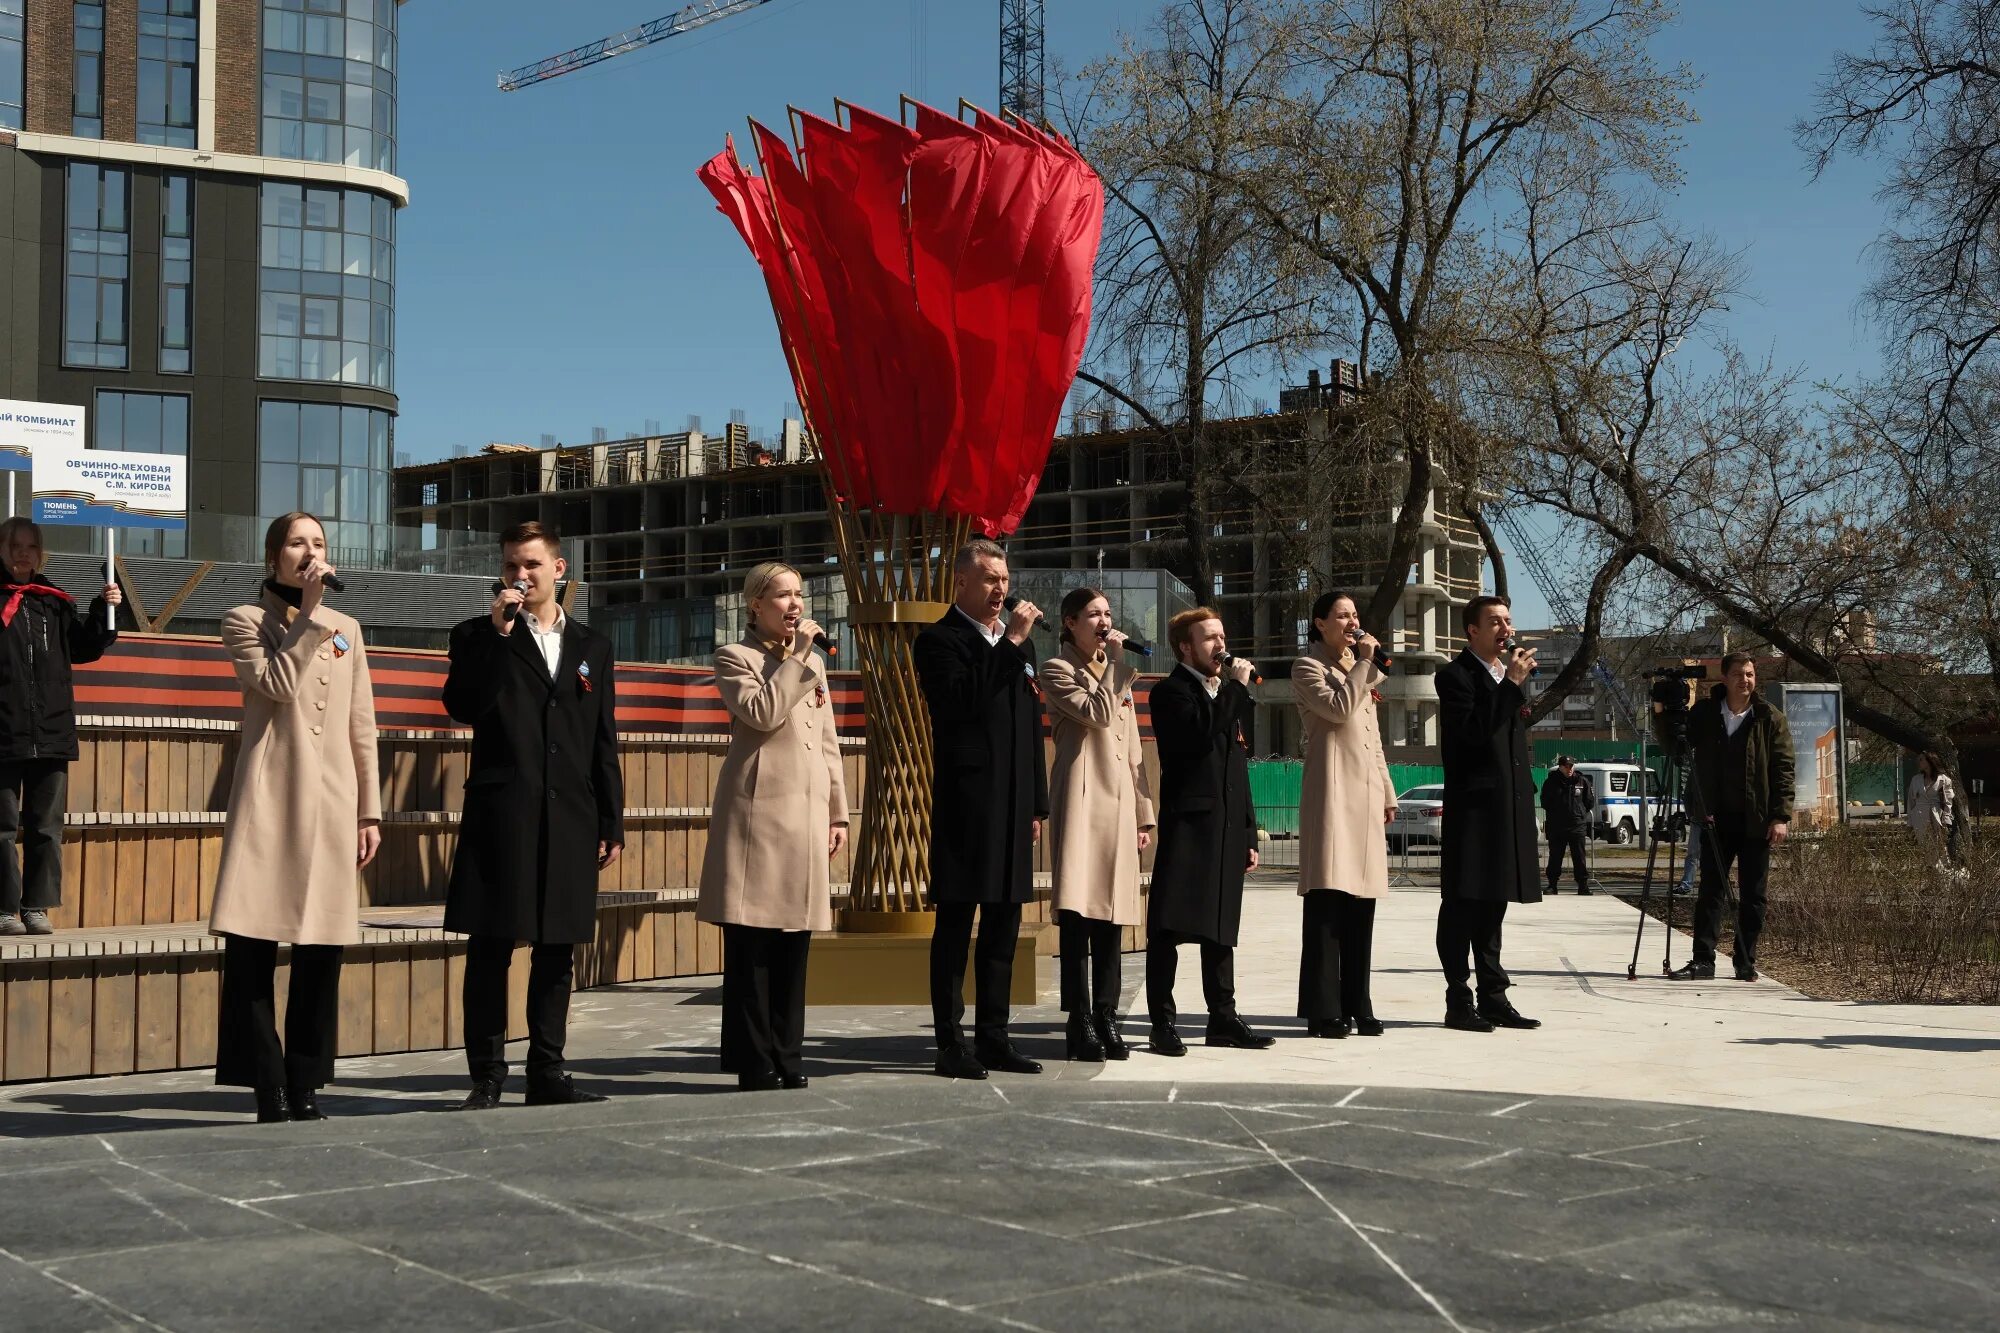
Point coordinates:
[[1641, 1163]]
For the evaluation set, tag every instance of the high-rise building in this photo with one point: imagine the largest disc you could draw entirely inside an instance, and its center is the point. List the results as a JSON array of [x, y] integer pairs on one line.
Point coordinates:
[[198, 203]]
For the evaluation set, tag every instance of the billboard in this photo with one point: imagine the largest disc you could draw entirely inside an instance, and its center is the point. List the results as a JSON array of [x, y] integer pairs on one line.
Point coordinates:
[[1819, 740], [103, 488]]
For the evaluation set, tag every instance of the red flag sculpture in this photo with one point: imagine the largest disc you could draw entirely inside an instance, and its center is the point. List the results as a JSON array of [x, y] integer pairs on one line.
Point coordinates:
[[931, 283]]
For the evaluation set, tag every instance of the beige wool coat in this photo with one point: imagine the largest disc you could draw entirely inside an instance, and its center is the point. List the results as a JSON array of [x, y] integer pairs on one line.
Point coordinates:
[[306, 776], [778, 795], [1099, 797], [1342, 840]]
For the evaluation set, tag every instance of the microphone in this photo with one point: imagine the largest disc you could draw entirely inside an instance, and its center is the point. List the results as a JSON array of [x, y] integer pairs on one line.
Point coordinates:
[[1137, 647], [520, 586], [1382, 659], [1256, 676], [826, 645], [1041, 622], [1533, 671], [332, 583]]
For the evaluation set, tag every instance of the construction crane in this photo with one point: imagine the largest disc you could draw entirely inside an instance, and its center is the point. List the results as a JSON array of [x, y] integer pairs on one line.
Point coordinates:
[[1562, 604], [687, 19]]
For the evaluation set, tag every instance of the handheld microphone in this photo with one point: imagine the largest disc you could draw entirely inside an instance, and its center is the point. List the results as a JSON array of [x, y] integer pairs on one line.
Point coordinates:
[[826, 645], [520, 586], [1041, 622], [1256, 676], [332, 583], [1533, 671], [1137, 647], [1382, 659]]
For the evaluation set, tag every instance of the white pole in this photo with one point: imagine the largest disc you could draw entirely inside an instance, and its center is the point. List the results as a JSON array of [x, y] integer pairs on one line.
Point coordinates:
[[110, 577]]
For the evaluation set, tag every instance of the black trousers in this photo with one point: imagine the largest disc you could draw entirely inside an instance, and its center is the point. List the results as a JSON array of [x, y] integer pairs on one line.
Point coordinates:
[[247, 1051], [992, 964], [1467, 925], [31, 808], [1334, 957], [1218, 976], [1092, 966], [763, 999], [1571, 840], [1730, 839], [485, 1003]]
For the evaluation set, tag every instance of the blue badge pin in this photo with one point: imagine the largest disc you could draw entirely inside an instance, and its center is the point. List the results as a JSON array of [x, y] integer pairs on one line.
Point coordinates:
[[339, 645], [583, 675]]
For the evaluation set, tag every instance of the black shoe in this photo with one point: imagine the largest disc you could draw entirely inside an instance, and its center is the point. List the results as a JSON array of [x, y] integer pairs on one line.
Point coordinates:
[[1080, 1040], [485, 1095], [1105, 1020], [793, 1081], [1583, 892], [1367, 1027], [305, 1104], [1166, 1041], [768, 1081], [1749, 973], [1504, 1015], [1465, 1020], [560, 1091], [957, 1062], [273, 1105], [1694, 970], [1332, 1029], [1003, 1056], [1230, 1031]]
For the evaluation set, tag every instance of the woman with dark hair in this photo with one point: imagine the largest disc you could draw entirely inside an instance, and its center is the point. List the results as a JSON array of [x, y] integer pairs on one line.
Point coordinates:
[[42, 636], [1100, 817], [780, 813], [1345, 801], [305, 813]]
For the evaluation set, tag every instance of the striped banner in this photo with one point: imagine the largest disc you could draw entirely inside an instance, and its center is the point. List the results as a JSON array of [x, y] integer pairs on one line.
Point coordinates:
[[190, 677]]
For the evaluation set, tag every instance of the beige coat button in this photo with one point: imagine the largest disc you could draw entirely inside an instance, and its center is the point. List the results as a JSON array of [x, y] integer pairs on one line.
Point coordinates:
[[321, 705], [316, 731], [326, 680]]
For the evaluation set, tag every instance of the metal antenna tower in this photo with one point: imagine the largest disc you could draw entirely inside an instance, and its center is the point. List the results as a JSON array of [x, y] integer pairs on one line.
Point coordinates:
[[1021, 63]]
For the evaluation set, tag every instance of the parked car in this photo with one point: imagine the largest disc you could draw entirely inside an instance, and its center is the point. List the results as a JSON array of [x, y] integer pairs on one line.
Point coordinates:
[[1419, 818]]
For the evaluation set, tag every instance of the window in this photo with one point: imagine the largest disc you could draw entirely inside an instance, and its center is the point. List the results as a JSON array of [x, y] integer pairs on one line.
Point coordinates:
[[329, 82], [1413, 729], [327, 303], [96, 267], [13, 63], [169, 48], [87, 103], [143, 423], [333, 462], [176, 275]]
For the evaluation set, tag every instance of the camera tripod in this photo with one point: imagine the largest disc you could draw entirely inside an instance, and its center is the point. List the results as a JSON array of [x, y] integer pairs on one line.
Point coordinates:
[[1674, 779]]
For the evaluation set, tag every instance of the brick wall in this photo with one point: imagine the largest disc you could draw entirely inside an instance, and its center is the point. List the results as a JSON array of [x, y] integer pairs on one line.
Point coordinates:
[[121, 69], [236, 76], [51, 66]]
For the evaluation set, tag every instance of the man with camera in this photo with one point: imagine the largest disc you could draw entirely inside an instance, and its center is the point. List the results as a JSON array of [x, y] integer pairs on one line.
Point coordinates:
[[1741, 792], [1570, 804]]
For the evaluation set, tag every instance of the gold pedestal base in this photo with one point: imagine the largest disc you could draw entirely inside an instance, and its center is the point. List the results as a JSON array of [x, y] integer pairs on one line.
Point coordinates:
[[895, 969]]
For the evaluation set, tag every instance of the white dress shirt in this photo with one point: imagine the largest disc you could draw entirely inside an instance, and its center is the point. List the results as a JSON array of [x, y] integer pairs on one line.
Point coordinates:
[[1213, 684], [992, 636], [548, 640], [1497, 668], [1731, 721]]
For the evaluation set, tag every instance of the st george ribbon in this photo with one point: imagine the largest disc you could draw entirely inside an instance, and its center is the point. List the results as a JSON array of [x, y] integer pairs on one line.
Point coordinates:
[[931, 282]]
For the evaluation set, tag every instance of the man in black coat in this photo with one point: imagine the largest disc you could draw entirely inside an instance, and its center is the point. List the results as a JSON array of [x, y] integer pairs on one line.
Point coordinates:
[[1208, 830], [1570, 803], [544, 810], [989, 796], [1489, 813]]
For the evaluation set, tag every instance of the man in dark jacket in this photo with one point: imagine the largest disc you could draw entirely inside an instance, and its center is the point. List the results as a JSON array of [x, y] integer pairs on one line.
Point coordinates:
[[42, 635], [1488, 856], [544, 810], [1741, 792], [1570, 804], [989, 796], [1208, 829]]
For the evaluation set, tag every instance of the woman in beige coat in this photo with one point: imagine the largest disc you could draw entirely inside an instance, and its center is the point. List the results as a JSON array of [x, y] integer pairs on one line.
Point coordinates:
[[779, 814], [1100, 817], [1344, 803], [305, 809]]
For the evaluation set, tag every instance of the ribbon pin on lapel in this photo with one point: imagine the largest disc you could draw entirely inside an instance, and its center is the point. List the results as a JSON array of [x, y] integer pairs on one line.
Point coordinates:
[[339, 645], [583, 674]]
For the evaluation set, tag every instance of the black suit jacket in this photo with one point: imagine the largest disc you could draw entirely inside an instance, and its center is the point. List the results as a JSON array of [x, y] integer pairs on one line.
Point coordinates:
[[988, 782], [544, 787], [1489, 789], [1207, 824]]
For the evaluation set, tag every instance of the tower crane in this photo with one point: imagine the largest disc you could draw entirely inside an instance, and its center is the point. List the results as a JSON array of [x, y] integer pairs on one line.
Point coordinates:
[[1563, 605]]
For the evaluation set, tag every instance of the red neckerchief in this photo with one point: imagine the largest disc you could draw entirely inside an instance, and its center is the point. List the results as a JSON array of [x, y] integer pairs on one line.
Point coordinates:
[[20, 590]]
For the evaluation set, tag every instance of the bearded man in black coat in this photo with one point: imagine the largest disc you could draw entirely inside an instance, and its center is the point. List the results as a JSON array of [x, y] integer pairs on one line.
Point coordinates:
[[989, 796], [1207, 829], [1489, 813], [544, 811]]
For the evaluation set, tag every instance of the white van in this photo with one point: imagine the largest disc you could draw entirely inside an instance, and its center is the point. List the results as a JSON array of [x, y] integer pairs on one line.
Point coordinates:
[[1619, 788]]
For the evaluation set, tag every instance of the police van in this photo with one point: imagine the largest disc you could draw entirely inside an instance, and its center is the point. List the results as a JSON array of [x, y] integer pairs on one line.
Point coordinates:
[[1618, 789]]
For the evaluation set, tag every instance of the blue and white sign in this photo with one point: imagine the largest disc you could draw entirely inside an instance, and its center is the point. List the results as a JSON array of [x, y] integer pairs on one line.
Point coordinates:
[[24, 427], [103, 488]]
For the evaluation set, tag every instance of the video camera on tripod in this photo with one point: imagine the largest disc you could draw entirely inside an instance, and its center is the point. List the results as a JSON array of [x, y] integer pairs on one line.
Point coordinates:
[[1672, 691]]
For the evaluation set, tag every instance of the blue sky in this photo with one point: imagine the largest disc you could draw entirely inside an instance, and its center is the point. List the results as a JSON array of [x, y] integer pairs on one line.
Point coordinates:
[[561, 268]]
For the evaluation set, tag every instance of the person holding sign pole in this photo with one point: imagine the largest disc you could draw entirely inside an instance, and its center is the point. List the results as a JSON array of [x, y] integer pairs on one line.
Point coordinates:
[[305, 813], [42, 636]]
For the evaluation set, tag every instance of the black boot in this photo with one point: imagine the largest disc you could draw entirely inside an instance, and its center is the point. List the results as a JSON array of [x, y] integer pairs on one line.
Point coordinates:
[[1081, 1039], [273, 1105], [305, 1103], [1105, 1020]]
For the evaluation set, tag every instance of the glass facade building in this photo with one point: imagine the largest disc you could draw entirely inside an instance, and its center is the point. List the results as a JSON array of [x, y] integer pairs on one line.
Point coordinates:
[[169, 51], [13, 62], [86, 119], [327, 294], [176, 275], [97, 265], [329, 81], [331, 461], [143, 423]]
